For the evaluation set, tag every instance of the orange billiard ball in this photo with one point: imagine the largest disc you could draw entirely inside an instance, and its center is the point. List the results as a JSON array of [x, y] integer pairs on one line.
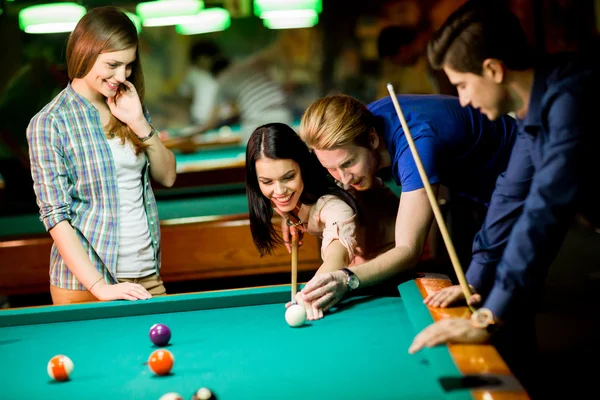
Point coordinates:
[[60, 367], [161, 361]]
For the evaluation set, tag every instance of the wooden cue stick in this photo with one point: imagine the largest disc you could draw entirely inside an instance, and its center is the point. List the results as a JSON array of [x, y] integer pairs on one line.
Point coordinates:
[[432, 199], [294, 264]]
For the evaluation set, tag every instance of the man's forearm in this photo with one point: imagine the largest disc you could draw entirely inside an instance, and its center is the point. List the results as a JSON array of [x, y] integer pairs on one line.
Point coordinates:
[[387, 265]]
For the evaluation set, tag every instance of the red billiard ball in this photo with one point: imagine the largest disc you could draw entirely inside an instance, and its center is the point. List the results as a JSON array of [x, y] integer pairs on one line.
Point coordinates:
[[60, 368], [160, 334], [161, 361]]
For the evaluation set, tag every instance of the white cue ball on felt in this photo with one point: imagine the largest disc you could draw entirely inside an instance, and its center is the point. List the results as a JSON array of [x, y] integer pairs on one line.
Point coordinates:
[[295, 315], [204, 394], [171, 396]]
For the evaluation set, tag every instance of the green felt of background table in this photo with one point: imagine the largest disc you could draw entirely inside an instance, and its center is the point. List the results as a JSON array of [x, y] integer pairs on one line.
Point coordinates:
[[235, 342], [208, 205], [205, 205], [210, 154], [233, 129]]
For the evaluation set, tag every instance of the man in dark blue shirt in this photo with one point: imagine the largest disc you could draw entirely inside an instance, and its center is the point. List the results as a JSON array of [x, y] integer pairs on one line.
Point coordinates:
[[549, 178]]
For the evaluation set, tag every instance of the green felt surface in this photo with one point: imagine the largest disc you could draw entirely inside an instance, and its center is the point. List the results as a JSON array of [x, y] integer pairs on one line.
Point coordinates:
[[236, 342], [212, 201], [233, 128], [211, 154], [230, 204], [204, 205], [208, 205]]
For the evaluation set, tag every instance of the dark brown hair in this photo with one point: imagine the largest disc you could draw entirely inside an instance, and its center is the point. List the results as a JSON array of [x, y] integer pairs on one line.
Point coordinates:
[[279, 142], [479, 30]]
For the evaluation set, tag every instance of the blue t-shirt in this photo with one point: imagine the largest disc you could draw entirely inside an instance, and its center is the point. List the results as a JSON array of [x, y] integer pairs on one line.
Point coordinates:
[[458, 146]]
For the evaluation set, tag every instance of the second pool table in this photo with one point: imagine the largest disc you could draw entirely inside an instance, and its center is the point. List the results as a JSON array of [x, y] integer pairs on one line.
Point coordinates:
[[209, 169], [208, 161], [202, 238], [238, 344]]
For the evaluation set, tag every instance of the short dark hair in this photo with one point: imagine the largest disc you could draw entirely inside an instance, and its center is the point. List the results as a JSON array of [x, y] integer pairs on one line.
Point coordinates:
[[279, 141], [219, 64], [218, 61], [203, 48], [478, 30], [392, 38]]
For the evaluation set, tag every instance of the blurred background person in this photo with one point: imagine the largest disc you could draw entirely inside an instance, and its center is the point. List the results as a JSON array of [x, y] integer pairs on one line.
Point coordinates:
[[200, 85], [247, 93]]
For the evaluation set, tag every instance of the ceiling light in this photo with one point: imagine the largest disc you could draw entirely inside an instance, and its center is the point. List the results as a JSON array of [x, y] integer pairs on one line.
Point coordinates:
[[168, 12], [210, 20], [51, 18]]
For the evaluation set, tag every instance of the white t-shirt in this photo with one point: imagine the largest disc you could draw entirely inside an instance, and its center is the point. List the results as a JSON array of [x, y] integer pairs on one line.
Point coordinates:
[[201, 85], [135, 257]]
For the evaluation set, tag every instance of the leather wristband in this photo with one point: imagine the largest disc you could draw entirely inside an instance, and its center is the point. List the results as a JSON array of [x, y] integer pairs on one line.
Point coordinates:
[[146, 138]]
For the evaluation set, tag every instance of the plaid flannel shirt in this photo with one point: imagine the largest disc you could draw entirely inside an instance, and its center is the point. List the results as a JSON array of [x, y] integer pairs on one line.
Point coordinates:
[[75, 179]]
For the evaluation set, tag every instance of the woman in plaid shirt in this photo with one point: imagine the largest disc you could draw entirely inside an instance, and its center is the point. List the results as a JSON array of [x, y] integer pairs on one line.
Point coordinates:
[[92, 152]]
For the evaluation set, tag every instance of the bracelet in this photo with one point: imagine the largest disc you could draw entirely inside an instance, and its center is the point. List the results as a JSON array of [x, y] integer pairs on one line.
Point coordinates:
[[292, 223], [90, 289], [146, 138]]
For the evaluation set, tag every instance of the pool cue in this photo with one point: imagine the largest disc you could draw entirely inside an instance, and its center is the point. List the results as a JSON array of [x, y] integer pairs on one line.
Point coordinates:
[[432, 200], [294, 264]]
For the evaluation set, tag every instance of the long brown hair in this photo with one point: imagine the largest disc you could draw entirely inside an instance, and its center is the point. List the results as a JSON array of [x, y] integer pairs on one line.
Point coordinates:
[[103, 30]]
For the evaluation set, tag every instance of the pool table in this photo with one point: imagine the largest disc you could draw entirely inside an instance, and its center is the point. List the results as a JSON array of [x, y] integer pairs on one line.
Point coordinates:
[[185, 141], [202, 237], [208, 161], [207, 170], [238, 344]]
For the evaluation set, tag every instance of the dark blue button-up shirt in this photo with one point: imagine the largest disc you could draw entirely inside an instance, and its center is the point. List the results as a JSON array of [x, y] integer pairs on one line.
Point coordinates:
[[552, 173]]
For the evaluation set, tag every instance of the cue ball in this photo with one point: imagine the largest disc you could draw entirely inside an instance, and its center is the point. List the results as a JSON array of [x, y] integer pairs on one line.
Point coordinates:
[[161, 361], [295, 315], [60, 367], [204, 394], [171, 396], [160, 334]]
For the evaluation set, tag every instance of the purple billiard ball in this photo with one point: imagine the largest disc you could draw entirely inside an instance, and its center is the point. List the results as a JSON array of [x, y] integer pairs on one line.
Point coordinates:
[[160, 334]]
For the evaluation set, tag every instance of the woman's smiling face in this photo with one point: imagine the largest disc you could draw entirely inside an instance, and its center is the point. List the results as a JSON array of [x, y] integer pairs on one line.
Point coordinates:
[[280, 181]]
